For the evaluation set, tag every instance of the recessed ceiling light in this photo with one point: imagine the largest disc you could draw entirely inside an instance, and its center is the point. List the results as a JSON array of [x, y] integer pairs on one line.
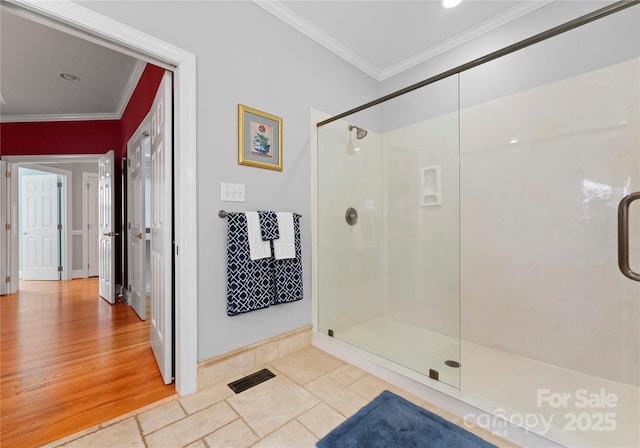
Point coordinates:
[[69, 77], [450, 3]]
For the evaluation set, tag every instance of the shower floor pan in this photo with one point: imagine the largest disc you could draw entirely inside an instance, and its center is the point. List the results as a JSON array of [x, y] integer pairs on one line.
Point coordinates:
[[408, 345], [560, 404]]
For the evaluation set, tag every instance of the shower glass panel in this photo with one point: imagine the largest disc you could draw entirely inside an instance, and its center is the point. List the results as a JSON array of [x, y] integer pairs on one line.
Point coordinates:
[[389, 279], [550, 144]]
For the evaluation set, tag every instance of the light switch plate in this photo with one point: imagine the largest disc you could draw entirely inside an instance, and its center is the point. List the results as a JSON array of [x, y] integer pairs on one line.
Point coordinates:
[[231, 192]]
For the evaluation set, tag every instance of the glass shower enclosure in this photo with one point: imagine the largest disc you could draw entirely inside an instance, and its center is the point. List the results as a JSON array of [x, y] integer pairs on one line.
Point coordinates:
[[468, 233], [389, 274]]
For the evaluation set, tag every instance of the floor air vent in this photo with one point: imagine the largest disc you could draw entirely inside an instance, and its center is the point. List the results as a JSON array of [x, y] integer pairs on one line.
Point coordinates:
[[251, 380]]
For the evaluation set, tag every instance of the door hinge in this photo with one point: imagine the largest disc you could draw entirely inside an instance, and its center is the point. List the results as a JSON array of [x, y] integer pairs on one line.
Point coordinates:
[[59, 184], [7, 279], [7, 173], [59, 268], [7, 226], [59, 226]]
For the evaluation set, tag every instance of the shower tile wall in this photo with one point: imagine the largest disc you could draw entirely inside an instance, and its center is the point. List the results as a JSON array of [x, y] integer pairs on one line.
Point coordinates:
[[423, 241], [539, 195]]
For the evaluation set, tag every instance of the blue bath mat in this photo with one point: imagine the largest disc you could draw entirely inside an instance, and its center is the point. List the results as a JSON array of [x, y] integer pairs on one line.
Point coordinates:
[[391, 421]]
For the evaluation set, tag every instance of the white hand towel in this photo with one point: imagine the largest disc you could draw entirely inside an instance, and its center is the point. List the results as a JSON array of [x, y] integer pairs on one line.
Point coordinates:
[[257, 247], [285, 246]]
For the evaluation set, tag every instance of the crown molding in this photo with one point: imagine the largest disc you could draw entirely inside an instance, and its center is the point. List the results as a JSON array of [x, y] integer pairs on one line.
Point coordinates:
[[131, 86], [51, 158], [57, 117], [468, 35], [289, 17]]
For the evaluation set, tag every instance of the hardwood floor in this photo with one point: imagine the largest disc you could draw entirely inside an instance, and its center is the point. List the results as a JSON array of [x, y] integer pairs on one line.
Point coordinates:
[[70, 360]]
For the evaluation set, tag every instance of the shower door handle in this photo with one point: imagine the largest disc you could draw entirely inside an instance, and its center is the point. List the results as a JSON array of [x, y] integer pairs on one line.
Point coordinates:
[[623, 236]]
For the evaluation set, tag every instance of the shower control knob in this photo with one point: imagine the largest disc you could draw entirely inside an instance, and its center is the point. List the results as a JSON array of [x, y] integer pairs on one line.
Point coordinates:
[[351, 216]]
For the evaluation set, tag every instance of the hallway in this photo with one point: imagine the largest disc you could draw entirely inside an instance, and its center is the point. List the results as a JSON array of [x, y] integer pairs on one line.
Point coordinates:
[[69, 361]]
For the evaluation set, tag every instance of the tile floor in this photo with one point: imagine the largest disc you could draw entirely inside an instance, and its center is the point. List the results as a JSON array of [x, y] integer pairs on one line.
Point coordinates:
[[312, 393]]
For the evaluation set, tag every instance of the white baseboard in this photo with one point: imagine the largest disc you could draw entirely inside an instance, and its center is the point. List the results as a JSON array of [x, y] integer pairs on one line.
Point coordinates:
[[78, 273]]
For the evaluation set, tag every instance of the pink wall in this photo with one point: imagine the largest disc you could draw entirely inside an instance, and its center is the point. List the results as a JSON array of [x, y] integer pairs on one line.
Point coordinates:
[[139, 104]]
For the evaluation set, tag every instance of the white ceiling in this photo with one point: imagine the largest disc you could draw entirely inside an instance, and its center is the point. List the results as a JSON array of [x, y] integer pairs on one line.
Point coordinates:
[[32, 58], [382, 38]]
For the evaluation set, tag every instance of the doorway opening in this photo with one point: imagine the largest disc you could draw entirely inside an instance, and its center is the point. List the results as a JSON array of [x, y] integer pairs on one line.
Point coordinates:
[[42, 254], [89, 25], [66, 243]]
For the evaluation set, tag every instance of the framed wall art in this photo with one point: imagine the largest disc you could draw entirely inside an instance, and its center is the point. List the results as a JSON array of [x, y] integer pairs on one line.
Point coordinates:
[[259, 139]]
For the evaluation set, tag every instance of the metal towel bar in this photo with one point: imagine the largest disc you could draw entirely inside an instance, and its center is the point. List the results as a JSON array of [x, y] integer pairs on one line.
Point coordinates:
[[224, 213]]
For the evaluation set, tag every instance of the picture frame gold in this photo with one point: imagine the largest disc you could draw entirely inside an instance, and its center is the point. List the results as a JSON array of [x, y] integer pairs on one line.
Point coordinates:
[[259, 139]]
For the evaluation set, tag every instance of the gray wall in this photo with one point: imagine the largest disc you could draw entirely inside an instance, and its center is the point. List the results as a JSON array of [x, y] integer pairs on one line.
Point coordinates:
[[76, 190], [76, 204], [245, 55]]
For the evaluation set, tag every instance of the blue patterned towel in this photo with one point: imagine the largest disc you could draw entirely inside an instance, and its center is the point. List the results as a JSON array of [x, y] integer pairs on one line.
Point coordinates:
[[250, 283], [268, 225], [288, 271]]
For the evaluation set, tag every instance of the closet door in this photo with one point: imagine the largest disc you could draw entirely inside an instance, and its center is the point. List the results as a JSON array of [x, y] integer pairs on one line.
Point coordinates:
[[137, 232], [40, 241], [106, 227]]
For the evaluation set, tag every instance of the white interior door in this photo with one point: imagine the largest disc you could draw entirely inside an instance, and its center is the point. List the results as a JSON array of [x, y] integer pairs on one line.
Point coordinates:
[[40, 233], [137, 224], [161, 228], [93, 240], [106, 233], [5, 222]]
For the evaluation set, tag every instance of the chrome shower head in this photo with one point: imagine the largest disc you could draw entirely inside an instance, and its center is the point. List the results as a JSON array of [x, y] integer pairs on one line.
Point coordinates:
[[360, 132]]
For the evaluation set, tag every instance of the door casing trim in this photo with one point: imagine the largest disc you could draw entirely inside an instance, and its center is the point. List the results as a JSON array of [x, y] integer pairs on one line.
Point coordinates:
[[108, 32]]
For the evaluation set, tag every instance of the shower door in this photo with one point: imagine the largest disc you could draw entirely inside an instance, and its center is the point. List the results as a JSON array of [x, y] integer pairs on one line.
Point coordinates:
[[388, 232], [550, 144]]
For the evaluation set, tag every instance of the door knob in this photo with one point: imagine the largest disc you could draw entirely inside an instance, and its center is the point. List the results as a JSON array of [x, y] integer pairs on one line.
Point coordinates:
[[111, 234], [137, 235]]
